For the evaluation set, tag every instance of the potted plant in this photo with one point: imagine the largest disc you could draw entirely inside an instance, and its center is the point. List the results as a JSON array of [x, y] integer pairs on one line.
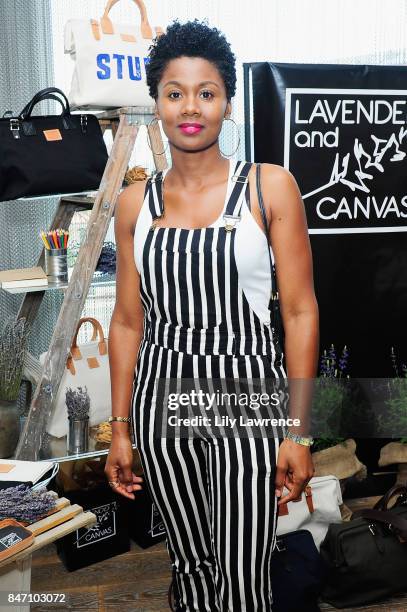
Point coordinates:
[[394, 419], [332, 410], [13, 347]]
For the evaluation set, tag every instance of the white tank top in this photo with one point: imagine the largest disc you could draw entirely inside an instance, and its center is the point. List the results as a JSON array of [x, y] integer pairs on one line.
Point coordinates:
[[251, 256]]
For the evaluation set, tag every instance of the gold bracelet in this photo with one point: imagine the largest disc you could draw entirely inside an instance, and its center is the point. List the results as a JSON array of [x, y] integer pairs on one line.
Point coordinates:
[[119, 418]]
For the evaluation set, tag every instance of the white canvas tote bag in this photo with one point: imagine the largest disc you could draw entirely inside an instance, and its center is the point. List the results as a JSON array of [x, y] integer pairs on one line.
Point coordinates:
[[87, 366], [315, 510], [110, 60]]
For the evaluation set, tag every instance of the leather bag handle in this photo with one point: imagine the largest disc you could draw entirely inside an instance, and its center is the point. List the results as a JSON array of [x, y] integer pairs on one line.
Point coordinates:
[[97, 331], [44, 94], [383, 501], [107, 26], [50, 96], [389, 518]]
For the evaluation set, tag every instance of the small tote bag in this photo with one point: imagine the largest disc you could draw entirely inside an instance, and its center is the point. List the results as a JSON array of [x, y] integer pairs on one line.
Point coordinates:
[[110, 60], [87, 366], [315, 510]]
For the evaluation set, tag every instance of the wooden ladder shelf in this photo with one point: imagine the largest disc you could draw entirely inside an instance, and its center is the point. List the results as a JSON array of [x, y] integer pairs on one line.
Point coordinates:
[[124, 123]]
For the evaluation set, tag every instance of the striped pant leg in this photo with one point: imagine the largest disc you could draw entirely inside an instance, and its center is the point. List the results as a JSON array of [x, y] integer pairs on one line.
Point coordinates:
[[242, 474], [176, 473], [176, 477]]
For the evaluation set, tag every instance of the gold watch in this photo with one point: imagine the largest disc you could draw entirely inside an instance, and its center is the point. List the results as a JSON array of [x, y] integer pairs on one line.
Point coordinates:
[[119, 418]]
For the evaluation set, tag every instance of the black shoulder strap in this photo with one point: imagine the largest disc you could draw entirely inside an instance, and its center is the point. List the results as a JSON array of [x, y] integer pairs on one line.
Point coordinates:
[[275, 306], [264, 217], [239, 178]]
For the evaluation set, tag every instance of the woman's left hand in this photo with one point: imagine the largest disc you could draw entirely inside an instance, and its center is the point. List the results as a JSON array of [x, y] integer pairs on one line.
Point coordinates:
[[294, 469]]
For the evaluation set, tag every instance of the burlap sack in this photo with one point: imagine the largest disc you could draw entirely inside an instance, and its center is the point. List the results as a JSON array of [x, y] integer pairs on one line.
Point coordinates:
[[339, 460], [393, 452]]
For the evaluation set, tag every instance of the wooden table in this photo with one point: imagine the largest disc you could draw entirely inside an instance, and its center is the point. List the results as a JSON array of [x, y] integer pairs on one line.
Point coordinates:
[[15, 571]]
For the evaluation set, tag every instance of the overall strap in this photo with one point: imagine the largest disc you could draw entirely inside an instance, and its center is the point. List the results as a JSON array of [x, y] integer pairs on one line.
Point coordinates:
[[155, 200], [232, 209], [240, 179]]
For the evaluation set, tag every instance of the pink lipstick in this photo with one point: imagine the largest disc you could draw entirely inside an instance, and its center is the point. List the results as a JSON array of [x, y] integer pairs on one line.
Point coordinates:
[[191, 128]]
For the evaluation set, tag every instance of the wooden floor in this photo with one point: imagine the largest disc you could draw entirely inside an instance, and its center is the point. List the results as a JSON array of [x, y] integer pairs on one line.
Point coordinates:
[[136, 581]]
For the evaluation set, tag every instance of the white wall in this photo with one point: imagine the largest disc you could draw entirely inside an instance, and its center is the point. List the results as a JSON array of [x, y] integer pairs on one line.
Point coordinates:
[[320, 31]]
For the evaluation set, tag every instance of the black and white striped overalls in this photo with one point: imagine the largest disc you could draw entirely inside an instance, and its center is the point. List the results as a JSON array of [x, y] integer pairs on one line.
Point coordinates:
[[216, 496]]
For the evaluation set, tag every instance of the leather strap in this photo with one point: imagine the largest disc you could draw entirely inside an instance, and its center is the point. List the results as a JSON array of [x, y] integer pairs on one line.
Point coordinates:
[[263, 214], [389, 518], [107, 26], [44, 94], [383, 501], [275, 307], [97, 331], [95, 29], [283, 509]]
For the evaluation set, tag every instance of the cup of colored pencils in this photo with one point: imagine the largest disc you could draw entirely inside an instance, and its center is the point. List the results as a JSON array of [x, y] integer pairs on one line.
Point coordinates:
[[55, 239], [56, 262]]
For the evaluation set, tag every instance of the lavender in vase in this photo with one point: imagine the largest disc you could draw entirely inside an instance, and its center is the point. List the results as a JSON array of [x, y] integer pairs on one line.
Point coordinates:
[[78, 406]]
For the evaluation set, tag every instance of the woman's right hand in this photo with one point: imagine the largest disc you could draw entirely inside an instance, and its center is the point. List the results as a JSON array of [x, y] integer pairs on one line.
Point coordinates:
[[118, 468]]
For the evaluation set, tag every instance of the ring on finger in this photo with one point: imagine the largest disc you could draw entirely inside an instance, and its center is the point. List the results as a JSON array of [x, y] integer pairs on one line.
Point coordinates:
[[114, 483]]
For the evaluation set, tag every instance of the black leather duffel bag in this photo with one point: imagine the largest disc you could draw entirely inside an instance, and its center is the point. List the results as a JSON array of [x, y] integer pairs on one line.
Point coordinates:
[[367, 556], [50, 154]]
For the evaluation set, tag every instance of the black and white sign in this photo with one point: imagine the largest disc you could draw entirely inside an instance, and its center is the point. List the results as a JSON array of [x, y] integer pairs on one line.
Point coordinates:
[[357, 141], [11, 539], [341, 130], [104, 528]]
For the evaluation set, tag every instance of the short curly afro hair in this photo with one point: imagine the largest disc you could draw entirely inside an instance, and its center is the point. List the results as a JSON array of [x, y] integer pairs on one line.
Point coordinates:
[[191, 39]]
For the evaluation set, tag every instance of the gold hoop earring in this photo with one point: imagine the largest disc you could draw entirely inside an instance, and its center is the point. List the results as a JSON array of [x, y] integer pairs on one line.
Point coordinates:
[[149, 140], [238, 139]]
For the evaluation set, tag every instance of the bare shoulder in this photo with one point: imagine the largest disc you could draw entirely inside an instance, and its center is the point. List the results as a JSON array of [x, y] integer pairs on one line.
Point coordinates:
[[280, 191], [276, 178], [129, 204]]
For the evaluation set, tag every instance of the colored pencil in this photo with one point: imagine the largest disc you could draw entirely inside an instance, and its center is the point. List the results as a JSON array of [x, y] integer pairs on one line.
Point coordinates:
[[55, 239]]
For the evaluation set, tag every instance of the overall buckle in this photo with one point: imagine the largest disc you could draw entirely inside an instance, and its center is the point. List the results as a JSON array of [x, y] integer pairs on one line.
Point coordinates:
[[240, 178], [231, 221]]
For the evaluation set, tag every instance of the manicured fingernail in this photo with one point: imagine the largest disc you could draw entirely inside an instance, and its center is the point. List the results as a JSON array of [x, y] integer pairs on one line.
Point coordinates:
[[278, 493]]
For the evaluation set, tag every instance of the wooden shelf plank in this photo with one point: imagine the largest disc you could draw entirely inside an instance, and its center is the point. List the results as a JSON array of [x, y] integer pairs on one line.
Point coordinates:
[[84, 519]]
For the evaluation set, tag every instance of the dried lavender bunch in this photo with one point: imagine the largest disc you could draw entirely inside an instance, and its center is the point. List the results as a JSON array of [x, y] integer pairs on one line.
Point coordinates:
[[77, 403], [13, 347], [23, 504]]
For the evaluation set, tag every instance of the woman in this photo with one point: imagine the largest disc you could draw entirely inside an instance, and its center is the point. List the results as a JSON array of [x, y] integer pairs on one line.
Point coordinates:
[[192, 300]]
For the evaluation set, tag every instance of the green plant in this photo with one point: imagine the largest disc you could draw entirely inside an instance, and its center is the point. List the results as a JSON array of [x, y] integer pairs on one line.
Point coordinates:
[[13, 346], [394, 418], [331, 399]]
